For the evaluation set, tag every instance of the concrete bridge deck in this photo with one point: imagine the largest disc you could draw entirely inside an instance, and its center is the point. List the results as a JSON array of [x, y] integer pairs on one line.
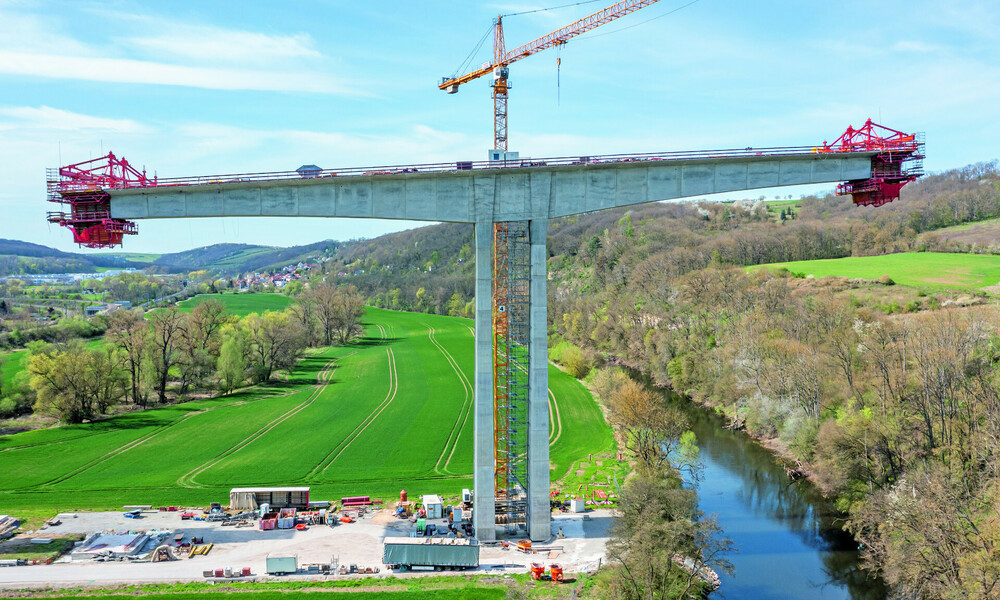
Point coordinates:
[[548, 188]]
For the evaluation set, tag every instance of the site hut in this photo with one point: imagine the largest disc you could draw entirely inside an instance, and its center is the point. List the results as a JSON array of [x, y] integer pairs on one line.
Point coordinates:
[[433, 506], [277, 497]]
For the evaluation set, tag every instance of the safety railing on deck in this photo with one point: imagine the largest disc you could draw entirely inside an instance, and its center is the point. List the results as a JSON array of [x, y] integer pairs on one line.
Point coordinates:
[[374, 171]]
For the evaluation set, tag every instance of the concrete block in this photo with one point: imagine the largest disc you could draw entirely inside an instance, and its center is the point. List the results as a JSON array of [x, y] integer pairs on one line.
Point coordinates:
[[174, 205], [355, 199], [317, 200], [388, 198], [240, 202], [279, 202], [697, 179]]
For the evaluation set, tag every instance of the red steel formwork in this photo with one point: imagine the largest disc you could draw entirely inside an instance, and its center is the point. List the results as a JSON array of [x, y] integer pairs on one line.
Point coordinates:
[[84, 187], [898, 162]]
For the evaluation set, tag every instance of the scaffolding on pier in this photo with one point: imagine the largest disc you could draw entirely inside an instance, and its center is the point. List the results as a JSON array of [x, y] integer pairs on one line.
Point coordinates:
[[511, 335]]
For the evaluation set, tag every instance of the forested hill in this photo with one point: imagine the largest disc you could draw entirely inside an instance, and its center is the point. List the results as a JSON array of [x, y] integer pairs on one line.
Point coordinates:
[[645, 244], [25, 258], [18, 258], [237, 258]]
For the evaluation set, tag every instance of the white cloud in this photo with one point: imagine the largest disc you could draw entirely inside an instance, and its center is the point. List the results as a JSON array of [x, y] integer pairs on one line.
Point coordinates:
[[152, 50], [46, 117], [119, 70], [213, 44]]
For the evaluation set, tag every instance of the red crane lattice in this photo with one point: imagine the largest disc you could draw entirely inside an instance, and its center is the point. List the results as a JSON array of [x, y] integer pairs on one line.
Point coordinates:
[[898, 162], [83, 186]]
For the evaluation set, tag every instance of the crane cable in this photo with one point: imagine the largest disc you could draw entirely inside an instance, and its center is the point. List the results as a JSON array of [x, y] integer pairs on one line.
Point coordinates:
[[475, 51], [668, 13], [528, 12]]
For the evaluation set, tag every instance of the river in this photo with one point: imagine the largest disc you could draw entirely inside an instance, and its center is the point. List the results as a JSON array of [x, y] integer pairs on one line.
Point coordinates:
[[789, 543]]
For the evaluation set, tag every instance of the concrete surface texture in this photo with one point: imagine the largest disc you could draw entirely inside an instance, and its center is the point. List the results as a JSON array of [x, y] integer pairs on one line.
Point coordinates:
[[509, 194], [357, 543]]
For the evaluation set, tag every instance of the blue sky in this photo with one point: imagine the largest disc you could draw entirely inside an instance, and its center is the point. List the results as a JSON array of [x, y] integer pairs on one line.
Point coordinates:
[[194, 88]]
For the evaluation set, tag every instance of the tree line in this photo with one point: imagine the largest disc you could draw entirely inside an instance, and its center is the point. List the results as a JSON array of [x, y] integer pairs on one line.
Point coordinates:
[[168, 354]]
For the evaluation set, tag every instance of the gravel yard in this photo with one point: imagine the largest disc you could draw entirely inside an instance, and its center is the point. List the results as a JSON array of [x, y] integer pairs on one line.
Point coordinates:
[[357, 543]]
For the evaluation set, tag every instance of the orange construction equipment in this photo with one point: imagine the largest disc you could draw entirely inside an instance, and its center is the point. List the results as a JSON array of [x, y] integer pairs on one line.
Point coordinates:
[[556, 572], [503, 58]]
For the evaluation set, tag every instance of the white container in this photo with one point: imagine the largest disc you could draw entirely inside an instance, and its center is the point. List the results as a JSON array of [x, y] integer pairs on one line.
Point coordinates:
[[577, 505]]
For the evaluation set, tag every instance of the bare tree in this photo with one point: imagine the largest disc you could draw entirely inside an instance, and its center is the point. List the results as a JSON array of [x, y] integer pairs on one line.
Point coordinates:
[[168, 329], [130, 331]]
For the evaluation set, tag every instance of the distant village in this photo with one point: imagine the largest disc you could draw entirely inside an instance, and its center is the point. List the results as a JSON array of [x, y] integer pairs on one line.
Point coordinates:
[[287, 274]]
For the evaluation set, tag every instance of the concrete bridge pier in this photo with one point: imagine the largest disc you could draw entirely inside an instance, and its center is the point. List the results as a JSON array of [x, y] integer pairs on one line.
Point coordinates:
[[538, 384], [539, 513], [484, 491]]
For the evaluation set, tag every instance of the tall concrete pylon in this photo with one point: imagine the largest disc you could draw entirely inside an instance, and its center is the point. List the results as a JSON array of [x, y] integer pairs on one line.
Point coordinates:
[[483, 197]]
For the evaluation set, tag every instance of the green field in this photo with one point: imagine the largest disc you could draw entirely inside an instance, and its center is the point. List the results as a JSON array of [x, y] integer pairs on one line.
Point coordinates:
[[140, 257], [930, 270], [241, 304], [392, 410], [11, 363]]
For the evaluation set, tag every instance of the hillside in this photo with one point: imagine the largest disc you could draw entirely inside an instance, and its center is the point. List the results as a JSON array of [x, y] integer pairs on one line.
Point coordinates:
[[237, 258], [25, 258]]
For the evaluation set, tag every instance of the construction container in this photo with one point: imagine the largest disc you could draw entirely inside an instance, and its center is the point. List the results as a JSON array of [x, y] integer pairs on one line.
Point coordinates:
[[251, 498], [282, 564], [433, 506], [437, 553], [421, 525], [577, 505]]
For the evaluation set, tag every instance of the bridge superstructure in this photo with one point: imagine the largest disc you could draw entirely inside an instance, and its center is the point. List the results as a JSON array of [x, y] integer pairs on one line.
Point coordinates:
[[510, 205]]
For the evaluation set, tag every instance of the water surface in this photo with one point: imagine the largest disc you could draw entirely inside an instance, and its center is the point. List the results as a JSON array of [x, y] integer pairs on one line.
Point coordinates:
[[789, 540]]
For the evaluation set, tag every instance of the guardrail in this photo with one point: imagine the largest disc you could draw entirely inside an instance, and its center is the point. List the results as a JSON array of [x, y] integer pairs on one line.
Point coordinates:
[[382, 170]]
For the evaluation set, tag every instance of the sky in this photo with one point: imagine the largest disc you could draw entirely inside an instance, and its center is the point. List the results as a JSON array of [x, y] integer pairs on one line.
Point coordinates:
[[199, 88]]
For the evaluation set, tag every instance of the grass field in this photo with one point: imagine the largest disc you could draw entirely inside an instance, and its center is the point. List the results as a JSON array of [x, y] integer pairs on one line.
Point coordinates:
[[11, 363], [241, 304], [929, 270], [392, 410], [140, 257]]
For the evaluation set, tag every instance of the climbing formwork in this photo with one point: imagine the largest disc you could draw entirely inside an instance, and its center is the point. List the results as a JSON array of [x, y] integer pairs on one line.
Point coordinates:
[[84, 187]]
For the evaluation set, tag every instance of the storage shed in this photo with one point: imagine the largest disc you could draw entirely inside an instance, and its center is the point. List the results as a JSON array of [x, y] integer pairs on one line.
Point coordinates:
[[434, 506], [251, 498]]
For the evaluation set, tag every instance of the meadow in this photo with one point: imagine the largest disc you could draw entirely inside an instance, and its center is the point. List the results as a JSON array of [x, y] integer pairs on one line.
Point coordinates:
[[240, 304], [392, 410], [926, 270]]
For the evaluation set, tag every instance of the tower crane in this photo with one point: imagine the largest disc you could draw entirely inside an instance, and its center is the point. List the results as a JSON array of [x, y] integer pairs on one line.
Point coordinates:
[[502, 58]]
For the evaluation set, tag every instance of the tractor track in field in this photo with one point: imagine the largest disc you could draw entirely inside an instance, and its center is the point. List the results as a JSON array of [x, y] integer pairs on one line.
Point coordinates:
[[557, 427], [117, 451], [322, 381], [340, 448], [463, 415]]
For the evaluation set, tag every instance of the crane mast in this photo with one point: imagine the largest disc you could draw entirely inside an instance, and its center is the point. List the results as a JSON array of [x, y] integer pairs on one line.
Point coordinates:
[[502, 58]]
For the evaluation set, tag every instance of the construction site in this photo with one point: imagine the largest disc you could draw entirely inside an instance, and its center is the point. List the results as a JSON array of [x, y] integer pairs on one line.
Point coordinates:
[[356, 537], [507, 521]]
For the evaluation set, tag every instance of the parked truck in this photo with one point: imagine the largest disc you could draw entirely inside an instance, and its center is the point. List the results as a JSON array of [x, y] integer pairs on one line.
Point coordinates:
[[427, 554]]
